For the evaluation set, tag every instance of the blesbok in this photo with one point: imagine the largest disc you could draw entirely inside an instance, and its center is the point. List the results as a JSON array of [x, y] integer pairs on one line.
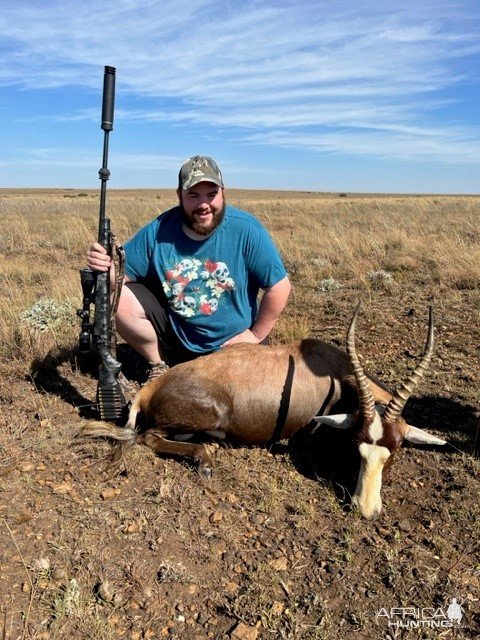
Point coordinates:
[[257, 395]]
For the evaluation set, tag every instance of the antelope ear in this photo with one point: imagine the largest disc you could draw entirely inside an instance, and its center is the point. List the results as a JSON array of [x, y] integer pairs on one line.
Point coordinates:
[[419, 436], [339, 421]]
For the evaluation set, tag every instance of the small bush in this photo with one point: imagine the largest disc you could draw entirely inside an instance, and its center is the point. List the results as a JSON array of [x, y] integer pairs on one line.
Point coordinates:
[[327, 285], [47, 314], [380, 280]]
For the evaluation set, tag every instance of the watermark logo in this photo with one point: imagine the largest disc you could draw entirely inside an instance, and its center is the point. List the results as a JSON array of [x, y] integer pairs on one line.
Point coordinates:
[[444, 617]]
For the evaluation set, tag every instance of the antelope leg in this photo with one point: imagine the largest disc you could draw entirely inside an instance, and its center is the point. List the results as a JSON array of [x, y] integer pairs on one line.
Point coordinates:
[[155, 440]]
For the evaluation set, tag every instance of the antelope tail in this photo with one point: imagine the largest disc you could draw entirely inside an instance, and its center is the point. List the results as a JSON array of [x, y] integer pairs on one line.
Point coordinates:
[[98, 429]]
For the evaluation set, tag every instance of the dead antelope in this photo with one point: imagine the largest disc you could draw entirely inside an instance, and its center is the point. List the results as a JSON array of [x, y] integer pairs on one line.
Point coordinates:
[[256, 395]]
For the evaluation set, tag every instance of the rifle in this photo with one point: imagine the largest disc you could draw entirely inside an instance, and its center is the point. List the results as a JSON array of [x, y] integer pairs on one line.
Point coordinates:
[[96, 285]]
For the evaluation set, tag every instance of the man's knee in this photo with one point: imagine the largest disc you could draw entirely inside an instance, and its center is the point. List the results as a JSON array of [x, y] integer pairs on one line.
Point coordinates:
[[129, 307]]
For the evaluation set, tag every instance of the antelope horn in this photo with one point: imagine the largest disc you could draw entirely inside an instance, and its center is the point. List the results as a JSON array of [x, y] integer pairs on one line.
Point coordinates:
[[396, 404], [365, 396]]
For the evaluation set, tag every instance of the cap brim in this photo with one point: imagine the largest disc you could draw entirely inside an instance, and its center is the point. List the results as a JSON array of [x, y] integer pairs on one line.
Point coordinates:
[[197, 179]]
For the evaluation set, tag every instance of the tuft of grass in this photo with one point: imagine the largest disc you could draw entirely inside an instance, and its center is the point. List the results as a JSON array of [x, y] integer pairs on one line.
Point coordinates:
[[328, 285], [381, 280], [47, 315]]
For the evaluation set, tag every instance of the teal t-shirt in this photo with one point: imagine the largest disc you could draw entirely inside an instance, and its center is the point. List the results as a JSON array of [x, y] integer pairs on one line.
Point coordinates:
[[211, 285]]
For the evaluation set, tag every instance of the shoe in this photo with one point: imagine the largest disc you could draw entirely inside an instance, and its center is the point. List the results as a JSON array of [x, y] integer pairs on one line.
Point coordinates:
[[127, 387], [156, 370]]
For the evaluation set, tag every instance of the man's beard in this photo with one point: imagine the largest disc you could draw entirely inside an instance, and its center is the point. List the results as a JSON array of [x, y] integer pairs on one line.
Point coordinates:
[[202, 230]]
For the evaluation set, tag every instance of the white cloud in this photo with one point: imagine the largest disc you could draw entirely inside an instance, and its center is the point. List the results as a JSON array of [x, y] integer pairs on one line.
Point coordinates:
[[287, 70], [401, 144], [72, 157]]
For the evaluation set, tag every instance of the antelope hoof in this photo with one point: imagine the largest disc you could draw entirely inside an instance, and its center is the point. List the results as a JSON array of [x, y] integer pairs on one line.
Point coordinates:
[[205, 472]]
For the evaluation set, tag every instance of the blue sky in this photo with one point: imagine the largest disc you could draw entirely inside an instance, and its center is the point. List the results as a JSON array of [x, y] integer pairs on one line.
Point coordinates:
[[295, 94]]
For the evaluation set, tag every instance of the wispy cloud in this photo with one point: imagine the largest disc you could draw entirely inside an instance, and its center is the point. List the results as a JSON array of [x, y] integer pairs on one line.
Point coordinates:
[[333, 76], [79, 158], [402, 144]]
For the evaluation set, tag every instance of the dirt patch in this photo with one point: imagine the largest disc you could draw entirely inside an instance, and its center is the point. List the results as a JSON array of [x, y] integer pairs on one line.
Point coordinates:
[[269, 547]]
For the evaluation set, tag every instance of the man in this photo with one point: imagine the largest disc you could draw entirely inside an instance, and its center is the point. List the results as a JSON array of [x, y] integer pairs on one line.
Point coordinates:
[[193, 275]]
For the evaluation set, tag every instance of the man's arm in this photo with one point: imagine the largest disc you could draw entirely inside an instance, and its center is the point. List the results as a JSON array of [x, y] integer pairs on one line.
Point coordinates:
[[99, 260], [272, 304]]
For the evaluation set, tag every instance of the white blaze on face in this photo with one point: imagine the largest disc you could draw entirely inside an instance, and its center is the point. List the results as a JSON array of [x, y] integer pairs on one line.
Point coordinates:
[[373, 457], [375, 430]]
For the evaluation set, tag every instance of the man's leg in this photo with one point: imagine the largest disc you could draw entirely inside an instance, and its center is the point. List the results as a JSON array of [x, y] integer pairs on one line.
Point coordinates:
[[135, 327]]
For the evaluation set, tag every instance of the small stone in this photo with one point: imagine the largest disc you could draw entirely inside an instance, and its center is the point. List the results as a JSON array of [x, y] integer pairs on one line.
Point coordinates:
[[63, 487], [117, 600], [244, 632], [60, 574], [106, 494], [405, 526], [216, 516], [132, 527], [114, 620], [277, 608], [105, 591], [279, 564], [42, 564]]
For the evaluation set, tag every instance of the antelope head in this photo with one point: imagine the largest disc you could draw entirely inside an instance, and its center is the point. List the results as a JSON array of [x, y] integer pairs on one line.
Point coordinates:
[[379, 431]]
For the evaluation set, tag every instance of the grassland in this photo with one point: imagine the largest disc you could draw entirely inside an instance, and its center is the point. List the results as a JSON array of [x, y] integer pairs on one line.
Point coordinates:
[[269, 548]]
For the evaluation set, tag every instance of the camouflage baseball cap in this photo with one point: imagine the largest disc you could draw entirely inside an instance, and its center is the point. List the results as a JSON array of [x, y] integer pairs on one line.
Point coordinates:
[[198, 169]]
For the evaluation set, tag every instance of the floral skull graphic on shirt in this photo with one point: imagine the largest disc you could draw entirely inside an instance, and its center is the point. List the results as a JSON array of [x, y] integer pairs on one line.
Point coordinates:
[[195, 287]]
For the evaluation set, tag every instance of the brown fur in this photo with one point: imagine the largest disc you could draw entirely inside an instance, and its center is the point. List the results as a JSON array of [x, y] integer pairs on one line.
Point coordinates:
[[256, 395], [238, 391]]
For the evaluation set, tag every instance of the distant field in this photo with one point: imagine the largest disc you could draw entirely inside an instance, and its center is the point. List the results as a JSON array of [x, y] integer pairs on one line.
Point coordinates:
[[269, 543], [432, 241]]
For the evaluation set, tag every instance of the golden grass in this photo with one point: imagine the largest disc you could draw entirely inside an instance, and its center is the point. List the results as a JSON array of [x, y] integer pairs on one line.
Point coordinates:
[[417, 240]]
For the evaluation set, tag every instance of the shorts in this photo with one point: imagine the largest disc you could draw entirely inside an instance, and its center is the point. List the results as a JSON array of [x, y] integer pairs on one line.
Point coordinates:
[[156, 311]]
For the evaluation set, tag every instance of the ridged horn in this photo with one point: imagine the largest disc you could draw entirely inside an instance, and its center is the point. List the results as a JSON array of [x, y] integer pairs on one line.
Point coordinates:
[[365, 396], [396, 404]]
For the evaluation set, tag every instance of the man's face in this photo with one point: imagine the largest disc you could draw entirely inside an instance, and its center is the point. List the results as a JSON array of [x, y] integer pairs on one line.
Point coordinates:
[[203, 207]]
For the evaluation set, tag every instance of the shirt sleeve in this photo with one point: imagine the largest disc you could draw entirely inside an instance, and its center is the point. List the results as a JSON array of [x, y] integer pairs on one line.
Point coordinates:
[[263, 258], [138, 252]]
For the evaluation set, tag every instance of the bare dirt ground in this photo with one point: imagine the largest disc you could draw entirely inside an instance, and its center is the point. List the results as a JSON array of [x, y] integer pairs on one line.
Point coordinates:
[[269, 548]]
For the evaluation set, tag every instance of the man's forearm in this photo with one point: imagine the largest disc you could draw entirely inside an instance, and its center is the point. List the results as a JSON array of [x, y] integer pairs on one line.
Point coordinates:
[[271, 306]]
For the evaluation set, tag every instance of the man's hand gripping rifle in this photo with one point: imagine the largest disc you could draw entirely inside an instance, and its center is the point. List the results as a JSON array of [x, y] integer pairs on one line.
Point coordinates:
[[96, 285]]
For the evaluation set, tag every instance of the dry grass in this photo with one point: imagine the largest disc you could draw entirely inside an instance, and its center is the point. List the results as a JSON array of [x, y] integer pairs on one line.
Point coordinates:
[[429, 241], [155, 552]]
